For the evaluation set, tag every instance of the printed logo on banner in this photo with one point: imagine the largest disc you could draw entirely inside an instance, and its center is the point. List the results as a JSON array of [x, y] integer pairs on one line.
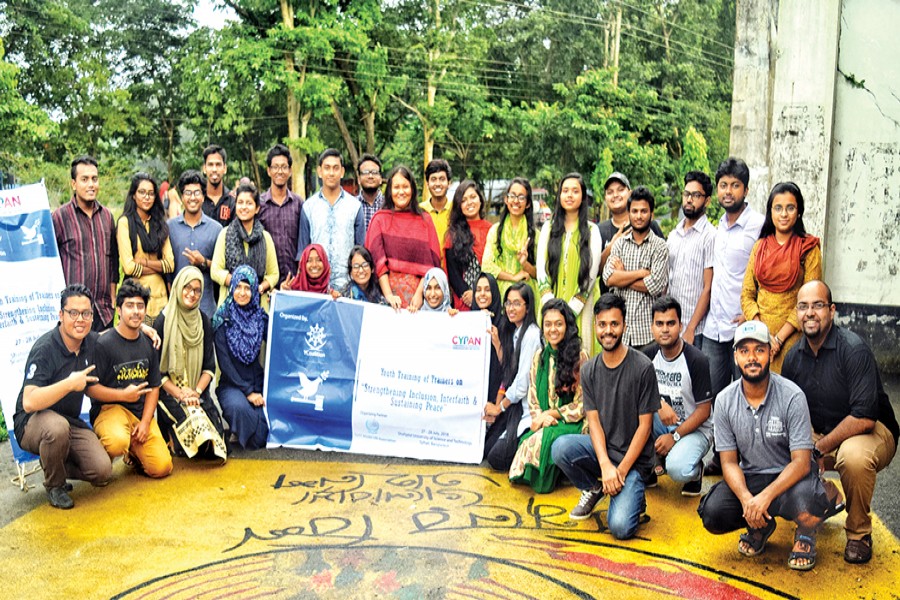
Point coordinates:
[[308, 389], [315, 341], [465, 342], [25, 236]]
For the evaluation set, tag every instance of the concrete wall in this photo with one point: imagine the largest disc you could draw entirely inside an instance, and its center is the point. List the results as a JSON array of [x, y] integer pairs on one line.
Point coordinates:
[[826, 115]]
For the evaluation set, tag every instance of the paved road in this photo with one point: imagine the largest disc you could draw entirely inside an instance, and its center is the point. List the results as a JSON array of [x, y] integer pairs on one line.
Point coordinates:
[[14, 503]]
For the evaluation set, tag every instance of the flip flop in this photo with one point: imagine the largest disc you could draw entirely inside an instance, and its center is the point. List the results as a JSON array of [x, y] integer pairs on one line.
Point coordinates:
[[756, 543], [809, 554]]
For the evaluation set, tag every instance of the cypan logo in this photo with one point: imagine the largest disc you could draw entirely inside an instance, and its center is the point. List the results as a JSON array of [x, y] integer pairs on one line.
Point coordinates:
[[465, 342]]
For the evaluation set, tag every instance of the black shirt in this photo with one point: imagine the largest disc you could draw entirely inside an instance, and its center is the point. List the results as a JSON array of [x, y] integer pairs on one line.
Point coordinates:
[[223, 211], [122, 362], [49, 362], [842, 380]]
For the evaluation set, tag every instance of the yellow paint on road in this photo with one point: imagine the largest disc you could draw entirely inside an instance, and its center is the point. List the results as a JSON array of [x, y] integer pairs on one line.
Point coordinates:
[[289, 529]]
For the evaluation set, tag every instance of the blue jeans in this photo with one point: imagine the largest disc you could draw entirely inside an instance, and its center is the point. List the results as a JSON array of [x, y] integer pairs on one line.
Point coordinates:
[[722, 369], [575, 456], [685, 460]]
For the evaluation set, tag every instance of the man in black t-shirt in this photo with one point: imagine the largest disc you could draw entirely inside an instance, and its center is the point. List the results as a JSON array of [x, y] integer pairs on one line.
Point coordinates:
[[46, 421], [124, 411], [620, 398]]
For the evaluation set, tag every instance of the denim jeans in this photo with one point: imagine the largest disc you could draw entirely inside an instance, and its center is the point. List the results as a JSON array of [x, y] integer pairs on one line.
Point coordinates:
[[575, 456], [685, 460], [722, 369]]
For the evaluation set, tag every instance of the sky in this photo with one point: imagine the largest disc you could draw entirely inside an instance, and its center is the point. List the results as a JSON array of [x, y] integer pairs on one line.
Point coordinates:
[[212, 13]]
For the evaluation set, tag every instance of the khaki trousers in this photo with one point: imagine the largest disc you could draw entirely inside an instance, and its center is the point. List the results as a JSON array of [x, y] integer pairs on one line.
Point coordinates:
[[114, 425]]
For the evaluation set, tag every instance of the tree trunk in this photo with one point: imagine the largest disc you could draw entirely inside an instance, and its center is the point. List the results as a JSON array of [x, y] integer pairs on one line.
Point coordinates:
[[616, 48], [345, 133]]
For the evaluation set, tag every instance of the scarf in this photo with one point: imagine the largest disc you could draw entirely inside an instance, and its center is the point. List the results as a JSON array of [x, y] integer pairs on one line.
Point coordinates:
[[441, 277], [137, 229], [355, 292], [545, 383], [496, 307], [244, 325], [777, 267], [182, 351], [569, 266], [255, 255], [303, 282]]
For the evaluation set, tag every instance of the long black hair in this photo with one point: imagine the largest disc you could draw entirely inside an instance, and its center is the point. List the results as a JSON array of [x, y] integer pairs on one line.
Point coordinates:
[[152, 242], [568, 357], [373, 290], [507, 330], [785, 187], [459, 231], [528, 215], [558, 231]]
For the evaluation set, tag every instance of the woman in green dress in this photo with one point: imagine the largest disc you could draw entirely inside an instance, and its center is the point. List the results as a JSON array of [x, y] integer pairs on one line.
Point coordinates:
[[568, 254], [509, 247], [554, 398]]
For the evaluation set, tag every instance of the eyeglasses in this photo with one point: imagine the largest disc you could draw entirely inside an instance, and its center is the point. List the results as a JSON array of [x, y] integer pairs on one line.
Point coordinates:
[[192, 193], [370, 173], [513, 304], [516, 198], [145, 194], [805, 306], [789, 209], [87, 315], [693, 195], [192, 291], [280, 169], [360, 266]]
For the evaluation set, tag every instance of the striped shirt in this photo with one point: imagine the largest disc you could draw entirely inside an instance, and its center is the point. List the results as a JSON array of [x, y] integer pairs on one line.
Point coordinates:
[[651, 254], [283, 224], [88, 252], [691, 252], [369, 210]]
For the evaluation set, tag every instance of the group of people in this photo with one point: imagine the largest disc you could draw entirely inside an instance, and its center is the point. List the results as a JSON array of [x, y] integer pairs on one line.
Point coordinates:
[[610, 343]]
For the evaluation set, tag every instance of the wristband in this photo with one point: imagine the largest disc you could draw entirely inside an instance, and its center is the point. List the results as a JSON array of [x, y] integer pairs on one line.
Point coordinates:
[[502, 408]]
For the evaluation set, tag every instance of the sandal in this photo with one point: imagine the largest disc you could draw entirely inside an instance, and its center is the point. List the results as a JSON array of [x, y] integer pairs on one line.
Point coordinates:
[[859, 551], [660, 469], [809, 554], [756, 539]]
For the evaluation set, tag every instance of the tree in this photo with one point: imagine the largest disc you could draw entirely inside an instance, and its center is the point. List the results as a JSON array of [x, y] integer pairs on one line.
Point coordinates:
[[23, 126]]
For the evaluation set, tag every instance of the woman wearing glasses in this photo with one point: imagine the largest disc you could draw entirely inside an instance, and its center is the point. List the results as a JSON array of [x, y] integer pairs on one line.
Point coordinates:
[[509, 247], [784, 258], [188, 418], [362, 286], [145, 252], [464, 243]]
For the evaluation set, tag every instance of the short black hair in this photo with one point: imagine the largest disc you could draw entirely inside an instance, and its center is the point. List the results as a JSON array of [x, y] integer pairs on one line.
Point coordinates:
[[130, 288], [74, 290], [404, 172], [189, 177], [701, 178], [666, 303], [330, 152], [436, 166], [609, 301], [215, 149], [247, 188], [736, 168], [368, 158], [642, 192], [84, 159], [279, 150]]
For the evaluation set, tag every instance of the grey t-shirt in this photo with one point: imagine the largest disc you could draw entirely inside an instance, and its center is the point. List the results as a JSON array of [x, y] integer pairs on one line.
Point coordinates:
[[620, 396], [766, 436]]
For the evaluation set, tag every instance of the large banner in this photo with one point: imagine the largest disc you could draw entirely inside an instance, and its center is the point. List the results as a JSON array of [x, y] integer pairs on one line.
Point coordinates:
[[32, 280], [355, 377]]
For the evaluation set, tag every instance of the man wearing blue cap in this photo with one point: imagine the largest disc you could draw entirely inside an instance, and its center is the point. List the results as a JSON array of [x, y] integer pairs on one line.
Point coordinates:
[[764, 418]]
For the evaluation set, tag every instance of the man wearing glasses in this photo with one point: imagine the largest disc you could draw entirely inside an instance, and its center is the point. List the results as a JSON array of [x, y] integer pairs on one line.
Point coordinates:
[[368, 176], [46, 422], [854, 427], [193, 236], [279, 210], [691, 256]]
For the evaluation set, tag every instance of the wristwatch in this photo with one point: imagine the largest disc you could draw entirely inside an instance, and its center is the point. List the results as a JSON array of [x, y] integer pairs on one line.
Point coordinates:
[[676, 436]]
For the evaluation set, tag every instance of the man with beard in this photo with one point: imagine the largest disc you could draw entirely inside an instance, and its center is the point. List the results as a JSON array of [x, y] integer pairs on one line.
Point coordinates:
[[86, 238], [763, 418], [638, 268], [218, 203], [620, 398], [279, 210], [854, 427], [682, 429], [193, 236], [691, 256], [437, 177], [368, 176]]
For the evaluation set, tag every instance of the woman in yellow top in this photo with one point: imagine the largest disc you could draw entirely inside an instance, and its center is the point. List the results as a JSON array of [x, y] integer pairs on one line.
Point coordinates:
[[145, 252], [784, 258], [245, 242]]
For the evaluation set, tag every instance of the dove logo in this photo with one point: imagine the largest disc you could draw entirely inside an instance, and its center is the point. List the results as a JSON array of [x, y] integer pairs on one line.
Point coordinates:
[[307, 392], [315, 341], [32, 235]]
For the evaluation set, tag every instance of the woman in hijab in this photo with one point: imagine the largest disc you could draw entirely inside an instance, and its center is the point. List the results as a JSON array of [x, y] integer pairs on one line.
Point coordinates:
[[240, 329], [313, 272], [437, 292], [188, 418]]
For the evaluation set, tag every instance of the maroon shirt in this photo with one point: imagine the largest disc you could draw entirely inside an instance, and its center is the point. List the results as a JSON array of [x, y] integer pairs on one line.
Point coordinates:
[[283, 224], [88, 252]]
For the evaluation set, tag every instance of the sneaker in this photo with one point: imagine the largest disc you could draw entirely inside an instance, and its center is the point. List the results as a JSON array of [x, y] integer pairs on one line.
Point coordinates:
[[652, 481], [586, 504], [692, 488], [59, 498]]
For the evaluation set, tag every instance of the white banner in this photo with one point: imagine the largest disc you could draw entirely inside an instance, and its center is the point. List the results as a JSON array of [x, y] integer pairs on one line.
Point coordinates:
[[349, 376], [32, 280]]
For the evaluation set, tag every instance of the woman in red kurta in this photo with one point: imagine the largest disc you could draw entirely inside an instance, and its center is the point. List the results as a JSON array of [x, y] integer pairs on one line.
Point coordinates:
[[403, 242], [464, 243]]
